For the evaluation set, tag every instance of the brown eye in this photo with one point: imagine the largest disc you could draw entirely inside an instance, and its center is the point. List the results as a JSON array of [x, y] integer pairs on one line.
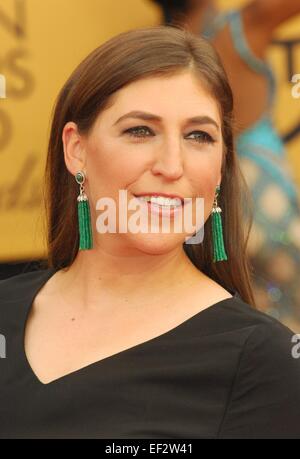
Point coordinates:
[[138, 129], [203, 138]]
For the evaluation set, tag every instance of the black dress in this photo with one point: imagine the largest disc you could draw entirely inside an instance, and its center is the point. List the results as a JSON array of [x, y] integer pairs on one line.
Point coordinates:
[[229, 371]]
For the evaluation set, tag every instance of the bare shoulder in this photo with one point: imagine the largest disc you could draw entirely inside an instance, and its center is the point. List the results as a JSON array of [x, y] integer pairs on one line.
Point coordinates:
[[48, 297], [204, 291], [216, 292]]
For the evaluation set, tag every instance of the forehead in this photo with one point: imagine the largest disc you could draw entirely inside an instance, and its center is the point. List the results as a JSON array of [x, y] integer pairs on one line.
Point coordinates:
[[178, 96]]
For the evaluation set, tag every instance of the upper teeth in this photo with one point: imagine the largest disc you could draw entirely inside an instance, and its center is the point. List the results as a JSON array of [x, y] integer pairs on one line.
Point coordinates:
[[162, 201]]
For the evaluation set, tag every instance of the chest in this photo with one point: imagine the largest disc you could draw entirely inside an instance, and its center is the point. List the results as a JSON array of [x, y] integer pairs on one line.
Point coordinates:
[[60, 338], [59, 341]]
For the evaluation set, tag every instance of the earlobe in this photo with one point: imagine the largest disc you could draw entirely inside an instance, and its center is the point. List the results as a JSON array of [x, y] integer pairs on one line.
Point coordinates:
[[74, 153]]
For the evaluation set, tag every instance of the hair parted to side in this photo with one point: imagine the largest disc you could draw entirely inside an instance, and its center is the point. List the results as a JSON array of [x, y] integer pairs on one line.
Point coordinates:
[[159, 51]]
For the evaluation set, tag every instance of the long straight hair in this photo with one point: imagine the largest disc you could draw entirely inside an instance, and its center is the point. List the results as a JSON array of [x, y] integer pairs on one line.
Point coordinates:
[[125, 58]]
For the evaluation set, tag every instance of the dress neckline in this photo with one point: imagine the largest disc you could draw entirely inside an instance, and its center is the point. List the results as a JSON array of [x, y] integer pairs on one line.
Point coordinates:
[[45, 276]]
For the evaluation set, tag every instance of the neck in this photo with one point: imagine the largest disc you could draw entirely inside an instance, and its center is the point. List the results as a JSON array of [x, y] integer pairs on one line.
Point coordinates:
[[101, 276]]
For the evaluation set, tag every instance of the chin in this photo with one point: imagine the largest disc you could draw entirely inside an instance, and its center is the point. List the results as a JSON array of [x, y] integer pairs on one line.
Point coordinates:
[[157, 243]]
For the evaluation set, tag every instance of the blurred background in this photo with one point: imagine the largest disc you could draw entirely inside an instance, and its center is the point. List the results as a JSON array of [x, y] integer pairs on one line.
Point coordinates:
[[42, 41]]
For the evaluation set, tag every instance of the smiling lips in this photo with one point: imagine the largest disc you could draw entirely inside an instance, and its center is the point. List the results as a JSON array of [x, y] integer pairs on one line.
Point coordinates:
[[162, 205], [162, 198]]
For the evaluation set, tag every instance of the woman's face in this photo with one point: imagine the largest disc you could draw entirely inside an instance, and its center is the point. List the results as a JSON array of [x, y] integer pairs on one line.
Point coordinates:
[[140, 154]]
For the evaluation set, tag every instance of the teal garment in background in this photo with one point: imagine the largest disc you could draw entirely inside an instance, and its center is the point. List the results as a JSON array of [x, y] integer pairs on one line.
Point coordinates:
[[276, 259]]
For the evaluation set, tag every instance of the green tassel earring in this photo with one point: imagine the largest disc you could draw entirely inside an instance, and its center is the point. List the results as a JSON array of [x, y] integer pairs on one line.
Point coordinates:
[[84, 216], [217, 231]]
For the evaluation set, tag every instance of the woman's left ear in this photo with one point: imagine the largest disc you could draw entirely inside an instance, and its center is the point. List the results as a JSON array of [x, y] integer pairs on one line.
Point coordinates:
[[74, 152]]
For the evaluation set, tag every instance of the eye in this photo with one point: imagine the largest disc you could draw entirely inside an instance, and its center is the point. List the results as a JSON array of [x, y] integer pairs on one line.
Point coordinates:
[[204, 137], [140, 132], [132, 131]]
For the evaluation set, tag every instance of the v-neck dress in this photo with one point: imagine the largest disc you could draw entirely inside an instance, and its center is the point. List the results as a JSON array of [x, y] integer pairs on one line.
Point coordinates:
[[229, 371]]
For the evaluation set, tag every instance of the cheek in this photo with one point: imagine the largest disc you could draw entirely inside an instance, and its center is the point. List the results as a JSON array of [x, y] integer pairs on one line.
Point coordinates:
[[109, 168], [205, 178], [206, 174]]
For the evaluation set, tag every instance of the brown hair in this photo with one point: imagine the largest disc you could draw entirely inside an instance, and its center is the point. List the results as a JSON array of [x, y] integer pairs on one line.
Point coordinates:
[[127, 57], [175, 11]]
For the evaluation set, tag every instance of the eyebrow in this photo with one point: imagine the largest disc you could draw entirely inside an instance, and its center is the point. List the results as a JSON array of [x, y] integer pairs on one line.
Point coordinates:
[[202, 119]]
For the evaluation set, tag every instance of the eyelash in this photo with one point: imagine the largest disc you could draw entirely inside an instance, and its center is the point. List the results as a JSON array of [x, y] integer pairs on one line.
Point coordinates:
[[130, 132]]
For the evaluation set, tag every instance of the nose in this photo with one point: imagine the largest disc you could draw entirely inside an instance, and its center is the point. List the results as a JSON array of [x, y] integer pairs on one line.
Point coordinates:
[[169, 160]]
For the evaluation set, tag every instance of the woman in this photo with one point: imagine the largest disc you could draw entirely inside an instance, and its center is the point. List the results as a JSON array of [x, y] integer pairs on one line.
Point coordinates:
[[242, 37], [144, 335]]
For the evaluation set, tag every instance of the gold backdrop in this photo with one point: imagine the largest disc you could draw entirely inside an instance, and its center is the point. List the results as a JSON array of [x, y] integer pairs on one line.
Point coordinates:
[[41, 43]]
